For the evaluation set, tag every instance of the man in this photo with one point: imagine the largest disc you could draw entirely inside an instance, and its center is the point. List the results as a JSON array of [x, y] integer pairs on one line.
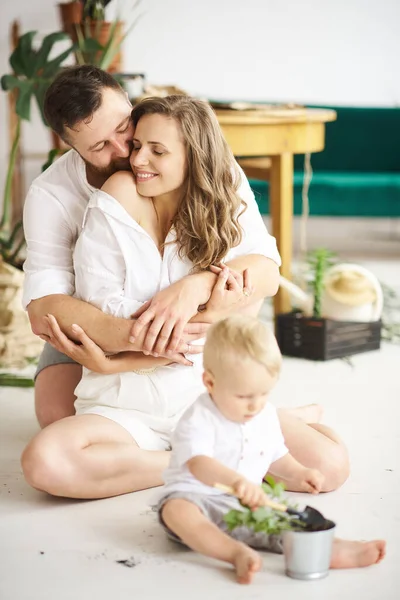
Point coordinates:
[[89, 110]]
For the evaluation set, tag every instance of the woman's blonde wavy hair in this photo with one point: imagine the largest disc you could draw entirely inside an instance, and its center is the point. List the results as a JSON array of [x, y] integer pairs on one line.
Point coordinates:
[[206, 223]]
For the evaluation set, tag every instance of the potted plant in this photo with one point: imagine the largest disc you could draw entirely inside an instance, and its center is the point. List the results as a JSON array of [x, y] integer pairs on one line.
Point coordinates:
[[307, 551], [98, 40], [33, 72], [71, 14], [264, 519], [328, 325]]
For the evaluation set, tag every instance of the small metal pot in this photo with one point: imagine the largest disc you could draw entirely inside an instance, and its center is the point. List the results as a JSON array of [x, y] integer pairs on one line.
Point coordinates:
[[308, 553]]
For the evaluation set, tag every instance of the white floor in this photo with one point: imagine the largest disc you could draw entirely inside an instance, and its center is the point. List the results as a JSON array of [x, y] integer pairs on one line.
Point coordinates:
[[60, 550]]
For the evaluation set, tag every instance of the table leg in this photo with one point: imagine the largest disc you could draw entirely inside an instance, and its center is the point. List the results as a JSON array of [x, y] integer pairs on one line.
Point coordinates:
[[281, 210]]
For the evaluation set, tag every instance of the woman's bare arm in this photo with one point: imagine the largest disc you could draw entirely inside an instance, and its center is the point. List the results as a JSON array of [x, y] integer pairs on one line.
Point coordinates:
[[171, 309]]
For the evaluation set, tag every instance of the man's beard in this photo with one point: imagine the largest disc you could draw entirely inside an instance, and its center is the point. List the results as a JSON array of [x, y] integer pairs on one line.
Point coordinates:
[[120, 164], [101, 174]]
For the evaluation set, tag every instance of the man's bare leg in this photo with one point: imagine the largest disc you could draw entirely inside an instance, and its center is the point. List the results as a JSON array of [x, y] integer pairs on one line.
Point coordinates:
[[315, 446], [54, 392], [188, 522], [351, 555], [89, 456]]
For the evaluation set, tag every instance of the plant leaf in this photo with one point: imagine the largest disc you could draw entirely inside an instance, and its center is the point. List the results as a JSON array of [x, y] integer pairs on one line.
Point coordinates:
[[51, 156], [9, 82], [23, 104], [270, 481], [21, 59], [90, 45], [111, 48], [52, 67], [260, 514], [34, 72], [39, 91], [45, 49], [279, 489], [11, 380]]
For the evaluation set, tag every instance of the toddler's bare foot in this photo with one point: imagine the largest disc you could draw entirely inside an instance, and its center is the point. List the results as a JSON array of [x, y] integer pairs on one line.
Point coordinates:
[[310, 413], [246, 562], [350, 555]]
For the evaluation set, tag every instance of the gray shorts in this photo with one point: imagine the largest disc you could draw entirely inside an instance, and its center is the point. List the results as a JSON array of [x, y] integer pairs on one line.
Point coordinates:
[[214, 508], [50, 356]]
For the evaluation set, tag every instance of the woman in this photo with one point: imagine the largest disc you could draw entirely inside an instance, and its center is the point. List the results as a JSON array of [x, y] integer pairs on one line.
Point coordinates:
[[151, 245]]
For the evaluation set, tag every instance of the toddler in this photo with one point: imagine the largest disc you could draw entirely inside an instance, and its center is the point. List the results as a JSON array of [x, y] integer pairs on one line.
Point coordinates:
[[231, 436]]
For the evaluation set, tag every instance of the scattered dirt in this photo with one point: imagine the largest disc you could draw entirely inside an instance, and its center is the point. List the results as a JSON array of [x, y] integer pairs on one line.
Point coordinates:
[[128, 562]]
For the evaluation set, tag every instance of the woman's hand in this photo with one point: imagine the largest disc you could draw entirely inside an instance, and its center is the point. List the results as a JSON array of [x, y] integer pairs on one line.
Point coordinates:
[[231, 291], [167, 317]]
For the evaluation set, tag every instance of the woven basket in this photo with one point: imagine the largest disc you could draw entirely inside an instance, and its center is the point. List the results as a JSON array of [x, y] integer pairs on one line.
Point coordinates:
[[18, 345]]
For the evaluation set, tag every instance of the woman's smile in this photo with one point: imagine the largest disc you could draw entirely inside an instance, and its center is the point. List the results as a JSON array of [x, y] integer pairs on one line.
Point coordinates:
[[143, 176]]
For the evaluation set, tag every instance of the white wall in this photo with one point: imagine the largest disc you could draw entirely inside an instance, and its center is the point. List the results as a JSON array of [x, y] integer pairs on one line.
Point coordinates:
[[311, 51]]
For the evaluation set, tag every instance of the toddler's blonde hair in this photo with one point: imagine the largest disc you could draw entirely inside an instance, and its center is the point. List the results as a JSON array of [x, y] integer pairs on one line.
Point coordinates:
[[244, 337]]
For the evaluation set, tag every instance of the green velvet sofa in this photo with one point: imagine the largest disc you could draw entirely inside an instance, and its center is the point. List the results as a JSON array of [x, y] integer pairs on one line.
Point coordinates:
[[358, 173]]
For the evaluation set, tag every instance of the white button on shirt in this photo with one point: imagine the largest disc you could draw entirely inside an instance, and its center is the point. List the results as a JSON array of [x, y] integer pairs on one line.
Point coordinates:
[[248, 448]]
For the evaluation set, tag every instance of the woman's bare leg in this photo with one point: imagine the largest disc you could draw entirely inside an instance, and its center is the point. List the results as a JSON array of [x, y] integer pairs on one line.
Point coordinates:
[[315, 446], [89, 456], [196, 531], [309, 413]]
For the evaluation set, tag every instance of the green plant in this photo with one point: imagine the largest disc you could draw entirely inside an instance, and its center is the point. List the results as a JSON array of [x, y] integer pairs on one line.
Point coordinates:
[[95, 9], [264, 519], [13, 380], [33, 73], [52, 155], [319, 261], [390, 315], [89, 49]]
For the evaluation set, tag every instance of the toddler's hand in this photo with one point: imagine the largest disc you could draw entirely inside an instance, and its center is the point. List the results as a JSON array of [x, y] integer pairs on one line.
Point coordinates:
[[311, 481], [249, 493]]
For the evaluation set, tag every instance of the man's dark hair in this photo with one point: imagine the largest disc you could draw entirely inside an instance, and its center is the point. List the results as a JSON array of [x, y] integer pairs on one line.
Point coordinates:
[[75, 95]]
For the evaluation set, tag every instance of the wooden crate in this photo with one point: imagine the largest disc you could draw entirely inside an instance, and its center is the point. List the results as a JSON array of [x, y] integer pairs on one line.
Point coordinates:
[[324, 339]]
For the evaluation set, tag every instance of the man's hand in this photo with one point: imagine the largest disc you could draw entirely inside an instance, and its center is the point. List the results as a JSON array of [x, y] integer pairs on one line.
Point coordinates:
[[86, 352], [166, 316], [90, 355]]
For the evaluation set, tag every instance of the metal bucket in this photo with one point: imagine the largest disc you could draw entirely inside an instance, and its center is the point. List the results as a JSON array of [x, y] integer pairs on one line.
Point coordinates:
[[308, 553]]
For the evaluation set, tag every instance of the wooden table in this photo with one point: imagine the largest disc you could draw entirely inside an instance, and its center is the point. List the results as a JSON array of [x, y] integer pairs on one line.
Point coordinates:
[[278, 133]]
